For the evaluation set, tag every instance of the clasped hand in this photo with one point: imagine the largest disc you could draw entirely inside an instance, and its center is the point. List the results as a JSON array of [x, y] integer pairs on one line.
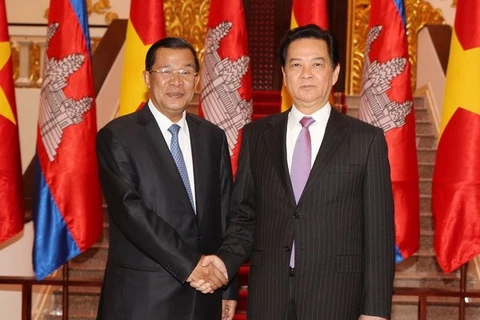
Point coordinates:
[[209, 274]]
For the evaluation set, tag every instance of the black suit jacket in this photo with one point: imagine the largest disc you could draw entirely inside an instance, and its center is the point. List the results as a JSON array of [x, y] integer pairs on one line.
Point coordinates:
[[343, 224], [156, 239]]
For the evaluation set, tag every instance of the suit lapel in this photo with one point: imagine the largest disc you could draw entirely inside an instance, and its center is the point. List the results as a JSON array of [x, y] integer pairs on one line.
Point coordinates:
[[275, 139], [200, 158], [335, 135], [154, 139]]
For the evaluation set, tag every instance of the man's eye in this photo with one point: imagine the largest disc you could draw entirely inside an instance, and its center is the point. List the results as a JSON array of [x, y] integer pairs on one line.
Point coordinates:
[[184, 72], [318, 64], [165, 71]]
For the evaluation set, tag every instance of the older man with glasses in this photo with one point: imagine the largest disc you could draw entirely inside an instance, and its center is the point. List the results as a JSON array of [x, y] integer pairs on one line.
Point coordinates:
[[166, 178]]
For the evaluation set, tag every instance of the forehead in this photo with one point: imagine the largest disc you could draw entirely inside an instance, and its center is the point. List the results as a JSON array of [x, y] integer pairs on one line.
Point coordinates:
[[169, 56], [307, 48]]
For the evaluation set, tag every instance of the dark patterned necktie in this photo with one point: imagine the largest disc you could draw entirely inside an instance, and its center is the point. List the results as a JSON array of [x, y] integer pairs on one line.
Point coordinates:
[[179, 161]]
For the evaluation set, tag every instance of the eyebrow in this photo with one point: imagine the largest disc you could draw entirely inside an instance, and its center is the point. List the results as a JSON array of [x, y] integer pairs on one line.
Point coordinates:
[[184, 66], [314, 59]]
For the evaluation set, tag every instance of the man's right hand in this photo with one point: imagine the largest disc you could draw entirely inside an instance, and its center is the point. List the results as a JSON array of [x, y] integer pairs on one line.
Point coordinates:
[[207, 277]]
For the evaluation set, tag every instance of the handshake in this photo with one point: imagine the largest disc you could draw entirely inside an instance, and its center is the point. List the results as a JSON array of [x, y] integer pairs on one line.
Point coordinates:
[[209, 274]]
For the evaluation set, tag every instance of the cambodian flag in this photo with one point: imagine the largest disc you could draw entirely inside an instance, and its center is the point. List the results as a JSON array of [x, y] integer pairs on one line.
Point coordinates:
[[386, 102], [226, 79], [67, 211]]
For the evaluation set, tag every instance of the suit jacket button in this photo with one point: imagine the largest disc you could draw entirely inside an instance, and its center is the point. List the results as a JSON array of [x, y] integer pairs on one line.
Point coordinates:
[[296, 215], [286, 249]]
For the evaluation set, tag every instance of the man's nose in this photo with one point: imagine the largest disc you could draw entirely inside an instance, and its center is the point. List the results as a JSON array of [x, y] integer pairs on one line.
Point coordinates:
[[306, 72], [176, 79]]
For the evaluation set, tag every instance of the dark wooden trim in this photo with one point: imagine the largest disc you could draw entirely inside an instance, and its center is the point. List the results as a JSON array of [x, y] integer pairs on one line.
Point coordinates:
[[107, 51], [441, 35]]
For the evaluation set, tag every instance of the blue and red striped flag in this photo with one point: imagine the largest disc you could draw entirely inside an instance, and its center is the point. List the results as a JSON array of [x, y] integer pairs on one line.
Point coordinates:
[[67, 210], [386, 102], [226, 81], [456, 178], [12, 213]]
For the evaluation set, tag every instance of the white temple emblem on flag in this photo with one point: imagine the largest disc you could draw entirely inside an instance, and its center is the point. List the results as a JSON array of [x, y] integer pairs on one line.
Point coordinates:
[[220, 82], [56, 110], [376, 107]]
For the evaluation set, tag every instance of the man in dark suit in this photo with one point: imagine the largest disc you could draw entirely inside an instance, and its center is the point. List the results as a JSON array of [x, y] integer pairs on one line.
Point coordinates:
[[312, 205], [167, 180]]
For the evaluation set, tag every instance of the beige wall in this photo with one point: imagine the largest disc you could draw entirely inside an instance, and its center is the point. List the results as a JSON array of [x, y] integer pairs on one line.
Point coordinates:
[[448, 11]]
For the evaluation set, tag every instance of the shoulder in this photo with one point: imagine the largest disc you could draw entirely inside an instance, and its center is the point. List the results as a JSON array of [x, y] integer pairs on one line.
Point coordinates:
[[203, 124], [267, 122], [122, 122], [124, 127], [354, 125]]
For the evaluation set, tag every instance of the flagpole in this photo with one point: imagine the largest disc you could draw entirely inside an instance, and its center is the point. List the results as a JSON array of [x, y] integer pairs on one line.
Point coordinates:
[[463, 291], [65, 292]]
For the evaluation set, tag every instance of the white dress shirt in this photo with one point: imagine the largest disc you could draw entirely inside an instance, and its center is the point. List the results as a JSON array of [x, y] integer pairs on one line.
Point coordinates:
[[317, 130], [183, 139]]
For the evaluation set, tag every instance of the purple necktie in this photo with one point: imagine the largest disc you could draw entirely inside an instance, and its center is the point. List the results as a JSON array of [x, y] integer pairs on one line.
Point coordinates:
[[301, 166]]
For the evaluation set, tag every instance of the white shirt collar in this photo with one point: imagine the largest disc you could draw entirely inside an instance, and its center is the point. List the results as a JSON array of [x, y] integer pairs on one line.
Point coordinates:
[[163, 122], [321, 116]]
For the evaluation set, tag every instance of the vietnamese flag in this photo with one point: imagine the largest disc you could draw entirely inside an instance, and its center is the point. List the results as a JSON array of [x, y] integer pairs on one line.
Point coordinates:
[[456, 179], [145, 26], [12, 213]]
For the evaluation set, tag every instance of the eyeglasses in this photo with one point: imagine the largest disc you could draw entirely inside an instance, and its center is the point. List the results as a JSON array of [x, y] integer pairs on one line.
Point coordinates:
[[166, 73]]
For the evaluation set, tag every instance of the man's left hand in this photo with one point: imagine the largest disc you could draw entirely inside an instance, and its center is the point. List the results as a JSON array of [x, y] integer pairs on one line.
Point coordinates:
[[364, 317], [228, 309]]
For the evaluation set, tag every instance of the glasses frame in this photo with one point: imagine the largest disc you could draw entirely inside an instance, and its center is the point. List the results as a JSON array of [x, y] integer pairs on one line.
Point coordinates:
[[168, 74]]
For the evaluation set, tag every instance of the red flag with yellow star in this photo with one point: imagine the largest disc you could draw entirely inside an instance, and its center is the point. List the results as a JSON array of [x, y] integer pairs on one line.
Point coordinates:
[[146, 25], [456, 178], [11, 195]]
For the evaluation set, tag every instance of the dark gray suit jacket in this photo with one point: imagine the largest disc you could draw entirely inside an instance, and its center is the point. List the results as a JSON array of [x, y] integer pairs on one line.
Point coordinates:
[[343, 224], [156, 239]]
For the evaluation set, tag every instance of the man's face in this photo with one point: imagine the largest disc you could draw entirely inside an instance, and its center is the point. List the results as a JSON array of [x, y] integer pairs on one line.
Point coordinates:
[[171, 92], [308, 74]]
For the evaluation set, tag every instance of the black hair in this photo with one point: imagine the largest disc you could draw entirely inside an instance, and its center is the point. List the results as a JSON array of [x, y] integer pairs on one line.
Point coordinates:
[[171, 43], [310, 31]]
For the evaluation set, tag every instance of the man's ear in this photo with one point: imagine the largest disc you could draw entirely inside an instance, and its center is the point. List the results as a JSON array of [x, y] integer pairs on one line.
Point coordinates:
[[283, 73], [336, 72], [146, 78]]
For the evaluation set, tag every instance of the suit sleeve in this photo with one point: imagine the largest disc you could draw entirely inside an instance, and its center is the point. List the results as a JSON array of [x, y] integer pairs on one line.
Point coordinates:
[[379, 234], [138, 223], [237, 243], [226, 186]]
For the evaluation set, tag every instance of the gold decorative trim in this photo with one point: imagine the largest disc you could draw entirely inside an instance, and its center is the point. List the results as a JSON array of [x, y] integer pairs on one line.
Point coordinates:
[[15, 60], [34, 63], [188, 19], [419, 13], [28, 73]]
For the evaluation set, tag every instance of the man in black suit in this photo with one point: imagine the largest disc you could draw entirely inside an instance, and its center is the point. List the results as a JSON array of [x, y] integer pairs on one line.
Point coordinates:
[[312, 205], [167, 180]]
